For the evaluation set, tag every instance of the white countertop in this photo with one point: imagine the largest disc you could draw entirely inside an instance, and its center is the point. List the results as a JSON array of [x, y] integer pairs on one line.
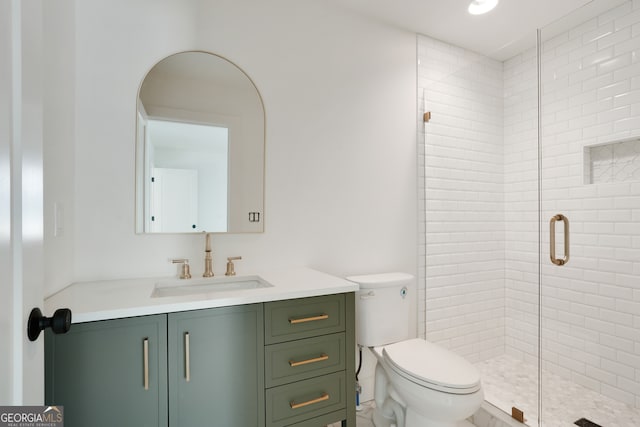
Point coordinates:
[[111, 299]]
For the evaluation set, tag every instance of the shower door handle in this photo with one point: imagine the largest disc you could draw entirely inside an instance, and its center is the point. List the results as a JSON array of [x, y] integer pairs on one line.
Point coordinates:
[[552, 239]]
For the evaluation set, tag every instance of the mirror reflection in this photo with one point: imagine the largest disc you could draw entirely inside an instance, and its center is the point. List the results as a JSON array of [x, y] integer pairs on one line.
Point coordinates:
[[200, 148]]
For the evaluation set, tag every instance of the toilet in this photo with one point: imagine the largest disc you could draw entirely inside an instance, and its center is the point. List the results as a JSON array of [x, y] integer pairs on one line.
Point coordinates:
[[417, 383]]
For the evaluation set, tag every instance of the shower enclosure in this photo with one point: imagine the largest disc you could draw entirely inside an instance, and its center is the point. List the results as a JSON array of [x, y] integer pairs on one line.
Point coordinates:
[[531, 204]]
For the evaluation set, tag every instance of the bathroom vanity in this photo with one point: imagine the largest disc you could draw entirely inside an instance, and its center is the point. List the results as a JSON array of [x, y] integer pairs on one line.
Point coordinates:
[[281, 355]]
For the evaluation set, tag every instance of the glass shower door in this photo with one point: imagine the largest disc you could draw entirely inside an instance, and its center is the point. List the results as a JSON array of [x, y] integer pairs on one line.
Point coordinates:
[[589, 75], [480, 206]]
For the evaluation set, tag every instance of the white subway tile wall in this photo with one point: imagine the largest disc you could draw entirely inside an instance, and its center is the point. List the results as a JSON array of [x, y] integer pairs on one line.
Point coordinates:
[[480, 244]]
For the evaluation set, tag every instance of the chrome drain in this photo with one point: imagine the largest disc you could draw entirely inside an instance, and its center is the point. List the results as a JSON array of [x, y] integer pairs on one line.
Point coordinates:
[[583, 422]]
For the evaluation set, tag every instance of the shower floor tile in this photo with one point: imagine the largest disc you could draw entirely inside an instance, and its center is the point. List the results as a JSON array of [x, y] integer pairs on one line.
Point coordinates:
[[508, 382]]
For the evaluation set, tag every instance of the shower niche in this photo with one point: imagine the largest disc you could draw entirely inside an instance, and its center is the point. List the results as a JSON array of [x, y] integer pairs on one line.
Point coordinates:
[[613, 162]]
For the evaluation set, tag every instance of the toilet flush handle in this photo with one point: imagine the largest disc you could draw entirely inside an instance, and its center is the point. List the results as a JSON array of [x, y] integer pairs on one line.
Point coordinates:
[[368, 295]]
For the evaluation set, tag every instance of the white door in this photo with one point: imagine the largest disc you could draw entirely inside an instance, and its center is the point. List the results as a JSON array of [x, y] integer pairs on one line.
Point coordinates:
[[21, 262], [174, 200]]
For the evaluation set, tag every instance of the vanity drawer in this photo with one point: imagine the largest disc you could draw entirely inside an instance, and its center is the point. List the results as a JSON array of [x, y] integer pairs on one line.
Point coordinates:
[[296, 402], [302, 318], [298, 360]]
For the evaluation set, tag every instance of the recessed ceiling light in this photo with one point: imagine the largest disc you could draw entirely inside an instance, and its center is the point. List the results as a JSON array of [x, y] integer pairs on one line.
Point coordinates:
[[478, 7]]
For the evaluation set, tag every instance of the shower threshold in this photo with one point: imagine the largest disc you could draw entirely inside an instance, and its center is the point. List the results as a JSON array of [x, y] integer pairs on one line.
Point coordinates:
[[509, 382]]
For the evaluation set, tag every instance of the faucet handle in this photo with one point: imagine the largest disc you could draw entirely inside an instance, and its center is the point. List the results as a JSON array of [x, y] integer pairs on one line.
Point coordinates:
[[184, 272], [230, 267]]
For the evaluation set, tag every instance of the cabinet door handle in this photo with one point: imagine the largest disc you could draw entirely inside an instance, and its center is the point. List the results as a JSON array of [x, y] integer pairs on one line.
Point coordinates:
[[297, 320], [320, 358], [294, 405], [552, 239], [145, 363], [187, 366]]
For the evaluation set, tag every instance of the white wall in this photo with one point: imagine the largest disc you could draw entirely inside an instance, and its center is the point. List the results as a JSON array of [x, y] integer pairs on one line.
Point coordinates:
[[59, 146], [464, 199], [339, 94]]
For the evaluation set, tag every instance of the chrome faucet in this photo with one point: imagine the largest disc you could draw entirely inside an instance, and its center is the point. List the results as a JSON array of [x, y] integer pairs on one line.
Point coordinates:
[[208, 259]]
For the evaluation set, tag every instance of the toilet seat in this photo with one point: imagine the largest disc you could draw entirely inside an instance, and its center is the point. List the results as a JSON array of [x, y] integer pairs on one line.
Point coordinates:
[[432, 366]]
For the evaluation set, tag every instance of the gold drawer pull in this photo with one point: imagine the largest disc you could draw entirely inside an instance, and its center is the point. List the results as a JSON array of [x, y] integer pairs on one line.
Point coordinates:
[[187, 358], [320, 358], [322, 398], [294, 321], [145, 363]]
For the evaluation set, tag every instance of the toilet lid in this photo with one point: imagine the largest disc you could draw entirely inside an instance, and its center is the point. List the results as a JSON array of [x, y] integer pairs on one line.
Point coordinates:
[[432, 366]]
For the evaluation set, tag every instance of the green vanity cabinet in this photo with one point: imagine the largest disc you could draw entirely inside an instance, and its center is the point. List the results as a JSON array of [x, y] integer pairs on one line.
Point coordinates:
[[216, 368], [109, 373], [310, 361], [273, 364]]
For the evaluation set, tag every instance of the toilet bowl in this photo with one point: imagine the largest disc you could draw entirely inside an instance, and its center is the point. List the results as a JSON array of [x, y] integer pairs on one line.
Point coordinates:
[[417, 383], [437, 387]]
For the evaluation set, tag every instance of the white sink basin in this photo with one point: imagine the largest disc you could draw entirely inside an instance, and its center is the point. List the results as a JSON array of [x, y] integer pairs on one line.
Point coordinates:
[[208, 286]]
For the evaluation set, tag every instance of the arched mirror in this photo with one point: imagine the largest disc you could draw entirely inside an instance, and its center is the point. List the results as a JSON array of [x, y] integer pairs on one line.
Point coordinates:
[[199, 148]]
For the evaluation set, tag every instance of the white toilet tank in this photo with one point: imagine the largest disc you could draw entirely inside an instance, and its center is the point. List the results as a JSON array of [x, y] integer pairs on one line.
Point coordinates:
[[382, 308]]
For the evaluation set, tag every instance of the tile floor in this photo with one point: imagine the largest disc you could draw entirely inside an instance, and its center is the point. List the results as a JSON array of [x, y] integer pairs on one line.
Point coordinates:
[[363, 418], [508, 382]]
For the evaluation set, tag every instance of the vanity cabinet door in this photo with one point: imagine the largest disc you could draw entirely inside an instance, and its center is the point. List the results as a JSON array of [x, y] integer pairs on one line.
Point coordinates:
[[216, 367], [109, 373]]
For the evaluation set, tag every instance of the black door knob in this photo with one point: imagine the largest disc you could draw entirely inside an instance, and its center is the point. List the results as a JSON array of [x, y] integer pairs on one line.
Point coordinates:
[[59, 323]]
